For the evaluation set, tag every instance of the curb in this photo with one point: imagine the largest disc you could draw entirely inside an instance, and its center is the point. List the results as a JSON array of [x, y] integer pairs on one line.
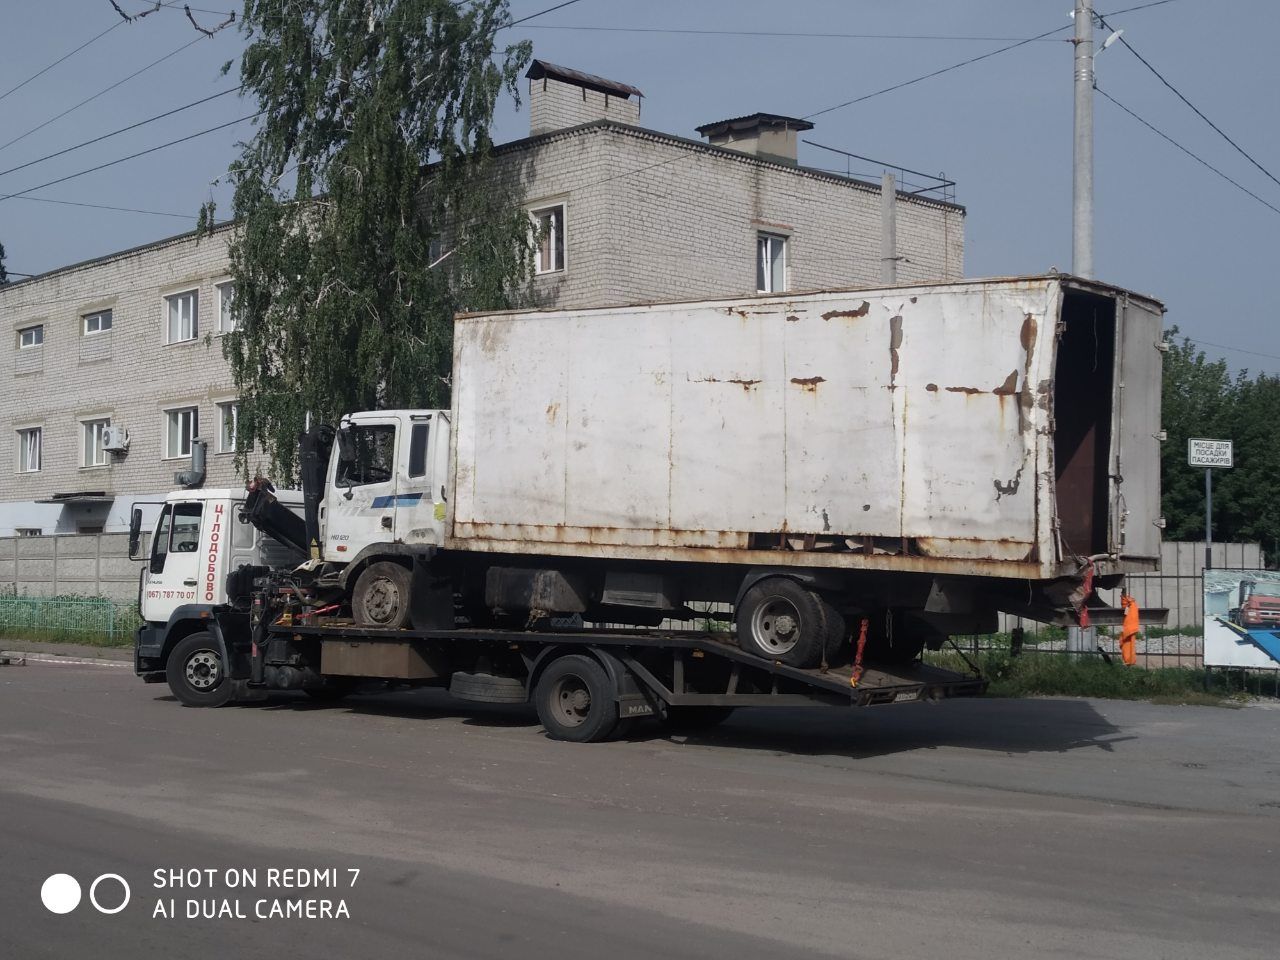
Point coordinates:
[[18, 659]]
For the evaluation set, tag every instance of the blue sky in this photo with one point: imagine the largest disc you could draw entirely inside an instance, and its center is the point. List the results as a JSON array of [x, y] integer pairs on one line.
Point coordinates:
[[1001, 128]]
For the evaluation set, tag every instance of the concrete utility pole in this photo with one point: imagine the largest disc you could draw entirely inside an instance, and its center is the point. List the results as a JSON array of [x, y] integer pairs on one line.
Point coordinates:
[[1082, 209], [888, 229]]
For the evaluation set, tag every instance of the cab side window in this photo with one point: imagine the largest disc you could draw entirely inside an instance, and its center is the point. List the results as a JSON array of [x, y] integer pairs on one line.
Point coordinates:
[[186, 528], [160, 545], [373, 456]]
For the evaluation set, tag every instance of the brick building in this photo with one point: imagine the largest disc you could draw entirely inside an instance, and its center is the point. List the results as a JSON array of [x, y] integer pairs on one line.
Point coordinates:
[[128, 343]]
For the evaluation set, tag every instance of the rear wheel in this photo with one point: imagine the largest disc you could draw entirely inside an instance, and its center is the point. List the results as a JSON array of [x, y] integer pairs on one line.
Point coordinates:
[[196, 672], [381, 596], [576, 700], [781, 620]]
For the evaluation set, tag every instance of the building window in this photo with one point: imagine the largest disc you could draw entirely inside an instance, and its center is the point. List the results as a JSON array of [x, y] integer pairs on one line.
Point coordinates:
[[226, 305], [93, 454], [771, 263], [181, 427], [549, 223], [29, 449], [228, 422], [183, 311], [89, 528], [29, 531], [31, 336], [99, 322]]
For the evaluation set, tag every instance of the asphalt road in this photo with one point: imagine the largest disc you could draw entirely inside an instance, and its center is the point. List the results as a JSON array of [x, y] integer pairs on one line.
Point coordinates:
[[968, 829]]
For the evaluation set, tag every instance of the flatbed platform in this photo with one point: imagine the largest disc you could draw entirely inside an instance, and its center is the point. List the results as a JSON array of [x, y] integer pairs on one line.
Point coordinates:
[[787, 685]]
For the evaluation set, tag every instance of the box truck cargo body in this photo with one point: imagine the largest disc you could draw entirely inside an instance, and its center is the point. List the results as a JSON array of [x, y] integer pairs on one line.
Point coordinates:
[[991, 428]]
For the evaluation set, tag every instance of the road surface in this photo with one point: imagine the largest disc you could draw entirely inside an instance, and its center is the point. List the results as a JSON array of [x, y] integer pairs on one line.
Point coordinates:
[[968, 829]]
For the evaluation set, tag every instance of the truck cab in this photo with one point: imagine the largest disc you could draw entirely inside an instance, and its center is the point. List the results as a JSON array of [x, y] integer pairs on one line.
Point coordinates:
[[199, 538], [386, 483]]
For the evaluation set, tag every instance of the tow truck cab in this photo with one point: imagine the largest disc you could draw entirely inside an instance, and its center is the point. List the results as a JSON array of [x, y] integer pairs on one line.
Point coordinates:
[[200, 537]]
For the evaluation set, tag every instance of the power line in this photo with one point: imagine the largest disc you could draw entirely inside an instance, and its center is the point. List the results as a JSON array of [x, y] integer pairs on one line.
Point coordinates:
[[103, 206], [936, 73], [540, 13], [772, 34], [1193, 156], [1177, 93], [132, 156], [105, 136], [65, 56], [1223, 346], [100, 93]]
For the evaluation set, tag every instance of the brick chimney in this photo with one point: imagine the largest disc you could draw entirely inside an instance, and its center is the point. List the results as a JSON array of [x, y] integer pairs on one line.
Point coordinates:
[[560, 97], [764, 135]]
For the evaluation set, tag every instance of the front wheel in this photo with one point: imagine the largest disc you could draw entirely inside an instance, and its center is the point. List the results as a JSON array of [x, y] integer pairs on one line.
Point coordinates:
[[381, 596], [782, 621], [196, 672], [576, 700]]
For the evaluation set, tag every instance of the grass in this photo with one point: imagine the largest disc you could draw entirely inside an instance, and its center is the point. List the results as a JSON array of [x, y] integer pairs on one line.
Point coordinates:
[[1057, 675], [91, 621]]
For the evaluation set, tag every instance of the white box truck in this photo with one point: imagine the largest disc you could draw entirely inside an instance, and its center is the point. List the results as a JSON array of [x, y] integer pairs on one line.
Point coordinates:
[[853, 475]]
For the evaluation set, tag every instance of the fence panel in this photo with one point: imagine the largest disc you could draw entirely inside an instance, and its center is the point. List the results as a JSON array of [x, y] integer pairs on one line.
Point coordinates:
[[94, 620]]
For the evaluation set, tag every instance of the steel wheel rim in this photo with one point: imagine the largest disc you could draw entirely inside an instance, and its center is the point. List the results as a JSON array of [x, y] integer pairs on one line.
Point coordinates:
[[571, 700], [203, 670], [776, 625], [382, 603]]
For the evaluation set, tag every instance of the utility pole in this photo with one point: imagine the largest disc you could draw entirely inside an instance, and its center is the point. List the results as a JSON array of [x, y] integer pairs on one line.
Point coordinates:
[[1082, 207], [888, 229]]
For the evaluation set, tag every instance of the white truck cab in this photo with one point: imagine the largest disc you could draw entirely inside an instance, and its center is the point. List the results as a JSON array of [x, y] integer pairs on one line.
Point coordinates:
[[199, 538], [386, 482]]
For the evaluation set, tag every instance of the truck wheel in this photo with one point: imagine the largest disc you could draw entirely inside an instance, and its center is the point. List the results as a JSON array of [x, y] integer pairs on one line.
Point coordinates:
[[576, 700], [196, 672], [688, 719], [780, 620], [381, 596]]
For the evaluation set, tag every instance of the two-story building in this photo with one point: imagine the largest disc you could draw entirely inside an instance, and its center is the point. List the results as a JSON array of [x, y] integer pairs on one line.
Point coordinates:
[[116, 369]]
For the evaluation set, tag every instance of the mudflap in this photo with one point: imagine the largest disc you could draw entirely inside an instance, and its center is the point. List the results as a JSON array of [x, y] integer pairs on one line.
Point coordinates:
[[430, 598], [635, 699]]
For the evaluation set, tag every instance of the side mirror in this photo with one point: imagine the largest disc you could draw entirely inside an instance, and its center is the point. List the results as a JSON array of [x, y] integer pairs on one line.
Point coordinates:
[[135, 533], [346, 449]]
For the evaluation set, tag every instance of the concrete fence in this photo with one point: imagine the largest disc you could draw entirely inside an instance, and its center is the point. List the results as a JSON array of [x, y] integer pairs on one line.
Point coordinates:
[[87, 565]]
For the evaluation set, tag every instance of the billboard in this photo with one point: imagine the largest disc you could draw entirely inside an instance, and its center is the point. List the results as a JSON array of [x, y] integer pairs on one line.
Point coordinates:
[[1242, 618]]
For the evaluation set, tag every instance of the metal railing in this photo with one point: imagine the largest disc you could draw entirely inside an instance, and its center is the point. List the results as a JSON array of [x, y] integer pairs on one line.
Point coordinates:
[[92, 620]]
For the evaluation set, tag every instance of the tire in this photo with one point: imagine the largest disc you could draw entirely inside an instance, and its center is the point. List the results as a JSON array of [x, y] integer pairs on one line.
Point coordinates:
[[895, 638], [576, 700], [780, 620], [196, 672], [486, 688], [694, 719], [381, 596]]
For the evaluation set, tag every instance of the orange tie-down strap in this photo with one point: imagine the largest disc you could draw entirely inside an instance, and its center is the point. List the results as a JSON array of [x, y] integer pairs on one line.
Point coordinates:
[[1129, 630], [857, 656]]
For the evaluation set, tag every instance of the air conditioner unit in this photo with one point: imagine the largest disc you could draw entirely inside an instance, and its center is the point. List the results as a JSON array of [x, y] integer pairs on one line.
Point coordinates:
[[115, 438]]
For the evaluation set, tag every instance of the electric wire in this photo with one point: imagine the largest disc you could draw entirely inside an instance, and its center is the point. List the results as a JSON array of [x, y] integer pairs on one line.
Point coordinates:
[[103, 206], [132, 156], [1193, 156], [1198, 112], [100, 93], [106, 136], [65, 56]]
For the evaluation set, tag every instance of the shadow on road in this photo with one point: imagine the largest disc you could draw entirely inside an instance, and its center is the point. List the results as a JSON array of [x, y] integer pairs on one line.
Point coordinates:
[[1001, 725]]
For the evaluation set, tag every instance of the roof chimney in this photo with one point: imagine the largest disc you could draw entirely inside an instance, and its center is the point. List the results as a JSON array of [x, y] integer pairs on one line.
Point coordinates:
[[560, 97], [764, 135]]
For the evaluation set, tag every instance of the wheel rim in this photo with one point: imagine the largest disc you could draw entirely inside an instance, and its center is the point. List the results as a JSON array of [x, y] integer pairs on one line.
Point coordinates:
[[571, 701], [776, 625], [382, 602], [203, 670]]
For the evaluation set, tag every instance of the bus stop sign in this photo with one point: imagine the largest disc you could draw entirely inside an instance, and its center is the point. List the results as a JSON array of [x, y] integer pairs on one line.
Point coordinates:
[[1209, 453]]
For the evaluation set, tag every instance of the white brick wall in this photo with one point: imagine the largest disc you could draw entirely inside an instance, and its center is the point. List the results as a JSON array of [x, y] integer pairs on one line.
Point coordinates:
[[554, 105]]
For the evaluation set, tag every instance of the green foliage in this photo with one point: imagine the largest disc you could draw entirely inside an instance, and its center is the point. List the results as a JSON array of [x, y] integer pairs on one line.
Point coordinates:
[[1202, 399], [372, 158], [4, 274], [1062, 675]]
